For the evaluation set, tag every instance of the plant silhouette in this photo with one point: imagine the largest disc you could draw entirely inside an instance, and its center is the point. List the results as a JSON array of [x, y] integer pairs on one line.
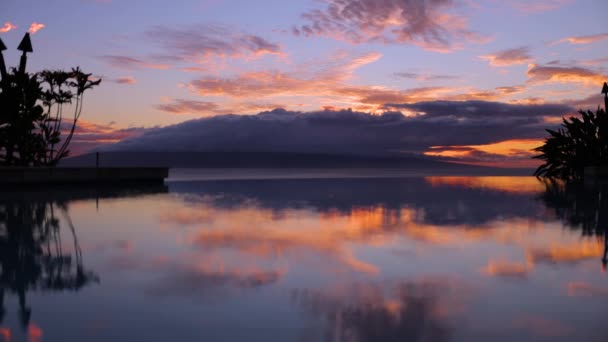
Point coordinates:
[[579, 143], [32, 257], [32, 116]]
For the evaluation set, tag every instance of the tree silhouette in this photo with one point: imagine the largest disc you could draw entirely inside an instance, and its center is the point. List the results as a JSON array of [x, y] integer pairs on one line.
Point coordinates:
[[32, 112], [579, 143]]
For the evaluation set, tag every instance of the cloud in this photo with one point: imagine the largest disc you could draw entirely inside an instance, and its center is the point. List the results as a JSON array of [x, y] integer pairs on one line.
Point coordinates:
[[349, 132], [509, 57], [424, 77], [564, 74], [35, 27], [318, 79], [584, 39], [197, 43], [125, 80], [125, 62], [428, 24], [518, 151], [89, 135], [8, 26], [483, 109], [327, 82], [182, 106]]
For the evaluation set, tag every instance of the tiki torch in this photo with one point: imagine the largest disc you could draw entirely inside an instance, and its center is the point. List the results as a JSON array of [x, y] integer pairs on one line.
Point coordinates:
[[25, 46], [2, 64]]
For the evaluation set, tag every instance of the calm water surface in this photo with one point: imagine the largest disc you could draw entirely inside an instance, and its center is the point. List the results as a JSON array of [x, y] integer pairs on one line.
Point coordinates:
[[409, 259]]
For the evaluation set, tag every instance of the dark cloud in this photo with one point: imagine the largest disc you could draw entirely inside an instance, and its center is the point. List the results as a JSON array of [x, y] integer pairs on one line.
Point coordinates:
[[483, 109], [90, 135], [426, 23], [349, 132]]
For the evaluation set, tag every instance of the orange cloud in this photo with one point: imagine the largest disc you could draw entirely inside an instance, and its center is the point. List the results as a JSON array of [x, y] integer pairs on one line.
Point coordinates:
[[35, 27], [558, 74], [8, 26], [509, 57], [584, 39], [508, 153]]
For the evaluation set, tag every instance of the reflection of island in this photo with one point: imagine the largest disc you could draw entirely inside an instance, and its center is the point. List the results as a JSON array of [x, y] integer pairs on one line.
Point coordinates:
[[580, 206], [443, 200], [32, 256]]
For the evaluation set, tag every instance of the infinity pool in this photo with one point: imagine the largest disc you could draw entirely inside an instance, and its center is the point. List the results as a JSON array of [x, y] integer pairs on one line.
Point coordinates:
[[371, 259]]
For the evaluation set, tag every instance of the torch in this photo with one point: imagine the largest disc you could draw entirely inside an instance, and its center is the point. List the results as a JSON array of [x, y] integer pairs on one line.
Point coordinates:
[[25, 46], [2, 64]]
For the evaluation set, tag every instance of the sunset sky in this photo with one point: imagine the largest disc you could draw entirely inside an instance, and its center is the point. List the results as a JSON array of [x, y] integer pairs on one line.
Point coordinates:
[[524, 63]]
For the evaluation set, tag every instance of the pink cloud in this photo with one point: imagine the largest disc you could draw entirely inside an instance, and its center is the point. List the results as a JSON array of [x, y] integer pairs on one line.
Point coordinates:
[[89, 135], [182, 106], [509, 57], [131, 63], [198, 43], [428, 24], [8, 26]]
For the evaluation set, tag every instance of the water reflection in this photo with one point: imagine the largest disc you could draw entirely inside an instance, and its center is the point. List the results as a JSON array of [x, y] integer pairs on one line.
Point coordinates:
[[32, 255], [416, 259], [405, 311], [580, 206]]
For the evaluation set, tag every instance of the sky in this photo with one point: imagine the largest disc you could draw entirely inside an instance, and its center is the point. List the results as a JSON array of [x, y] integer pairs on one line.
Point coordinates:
[[473, 81]]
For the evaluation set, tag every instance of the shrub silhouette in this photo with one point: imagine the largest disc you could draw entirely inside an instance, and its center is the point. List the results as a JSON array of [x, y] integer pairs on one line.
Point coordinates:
[[32, 114], [579, 143]]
